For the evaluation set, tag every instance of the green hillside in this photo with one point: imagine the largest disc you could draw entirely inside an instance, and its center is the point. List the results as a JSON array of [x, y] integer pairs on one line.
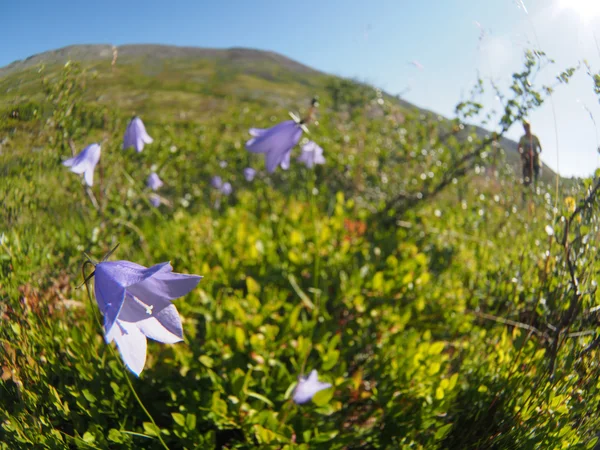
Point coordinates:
[[186, 83], [448, 305]]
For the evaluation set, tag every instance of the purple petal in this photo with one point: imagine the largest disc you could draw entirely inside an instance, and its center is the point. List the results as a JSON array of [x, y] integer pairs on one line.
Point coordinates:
[[226, 189], [281, 137], [163, 327], [85, 162], [126, 273], [135, 309], [311, 154], [131, 343], [139, 144], [285, 162], [257, 131], [136, 135], [109, 296], [110, 282], [155, 200], [216, 182], [154, 182], [158, 290], [249, 173], [308, 387]]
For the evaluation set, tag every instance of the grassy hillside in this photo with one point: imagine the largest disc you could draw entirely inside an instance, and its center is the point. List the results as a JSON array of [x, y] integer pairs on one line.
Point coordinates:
[[447, 305], [186, 83]]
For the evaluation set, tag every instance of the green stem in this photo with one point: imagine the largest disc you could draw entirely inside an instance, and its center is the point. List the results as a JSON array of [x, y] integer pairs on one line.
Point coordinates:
[[133, 391], [316, 296]]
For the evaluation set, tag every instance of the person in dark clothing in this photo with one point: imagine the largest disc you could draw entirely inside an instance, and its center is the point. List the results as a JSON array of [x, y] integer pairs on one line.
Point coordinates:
[[530, 149]]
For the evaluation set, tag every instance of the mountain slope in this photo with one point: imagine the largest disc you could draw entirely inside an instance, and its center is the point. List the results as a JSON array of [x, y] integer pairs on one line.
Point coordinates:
[[184, 83]]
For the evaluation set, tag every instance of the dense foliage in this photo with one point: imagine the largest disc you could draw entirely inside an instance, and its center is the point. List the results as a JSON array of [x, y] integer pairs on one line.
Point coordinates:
[[448, 306]]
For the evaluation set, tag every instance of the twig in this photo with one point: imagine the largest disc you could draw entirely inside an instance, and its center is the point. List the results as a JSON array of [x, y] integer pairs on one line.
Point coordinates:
[[512, 323]]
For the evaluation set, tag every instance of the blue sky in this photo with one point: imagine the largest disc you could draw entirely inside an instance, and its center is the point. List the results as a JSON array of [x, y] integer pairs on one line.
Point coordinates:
[[374, 41]]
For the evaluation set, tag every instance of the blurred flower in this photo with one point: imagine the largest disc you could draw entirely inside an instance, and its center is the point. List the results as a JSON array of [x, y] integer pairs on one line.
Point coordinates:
[[155, 200], [549, 230], [136, 304], [223, 164], [276, 143], [308, 387], [311, 154], [226, 189], [85, 162], [135, 135], [355, 229], [249, 173], [216, 182], [570, 203], [154, 182]]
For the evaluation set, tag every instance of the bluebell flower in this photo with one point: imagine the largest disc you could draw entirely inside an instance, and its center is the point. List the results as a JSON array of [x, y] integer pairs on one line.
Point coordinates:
[[155, 200], [85, 163], [136, 136], [136, 304], [308, 387], [226, 189], [276, 143], [216, 182], [249, 173], [311, 154], [154, 182]]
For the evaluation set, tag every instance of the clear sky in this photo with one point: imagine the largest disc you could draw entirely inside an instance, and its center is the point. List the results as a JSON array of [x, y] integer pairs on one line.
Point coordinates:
[[372, 40]]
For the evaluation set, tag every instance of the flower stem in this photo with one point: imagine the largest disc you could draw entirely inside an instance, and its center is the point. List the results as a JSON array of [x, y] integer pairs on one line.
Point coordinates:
[[133, 391], [313, 207], [125, 372]]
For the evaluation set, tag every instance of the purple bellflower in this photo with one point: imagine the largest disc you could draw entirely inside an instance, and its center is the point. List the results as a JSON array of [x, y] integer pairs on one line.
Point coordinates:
[[276, 143], [308, 387], [216, 182], [249, 173], [155, 200], [135, 135], [154, 182], [136, 304], [85, 162], [311, 154], [226, 189]]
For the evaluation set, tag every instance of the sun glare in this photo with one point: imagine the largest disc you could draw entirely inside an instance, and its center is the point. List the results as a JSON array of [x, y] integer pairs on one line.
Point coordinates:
[[587, 9]]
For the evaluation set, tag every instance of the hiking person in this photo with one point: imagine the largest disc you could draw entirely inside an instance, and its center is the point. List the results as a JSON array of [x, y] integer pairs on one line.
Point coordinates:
[[530, 149]]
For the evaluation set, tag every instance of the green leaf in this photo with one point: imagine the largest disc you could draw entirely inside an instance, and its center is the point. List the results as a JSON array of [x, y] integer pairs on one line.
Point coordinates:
[[436, 348], [218, 405], [190, 421], [179, 419], [150, 429], [439, 393], [323, 397], [264, 436], [206, 360], [330, 360], [293, 316], [442, 431], [240, 338], [115, 435], [89, 396], [252, 286], [301, 293], [260, 397]]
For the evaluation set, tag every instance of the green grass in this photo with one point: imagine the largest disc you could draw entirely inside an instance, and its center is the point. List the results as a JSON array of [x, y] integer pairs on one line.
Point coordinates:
[[419, 313]]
